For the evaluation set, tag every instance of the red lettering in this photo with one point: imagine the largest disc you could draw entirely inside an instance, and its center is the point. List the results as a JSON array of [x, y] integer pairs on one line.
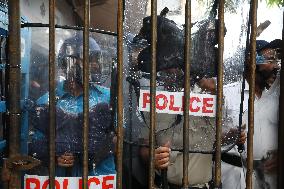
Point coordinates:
[[32, 182], [158, 106], [207, 104], [172, 103], [105, 185], [90, 181], [65, 184], [80, 184], [94, 180], [146, 99], [46, 183], [192, 99]]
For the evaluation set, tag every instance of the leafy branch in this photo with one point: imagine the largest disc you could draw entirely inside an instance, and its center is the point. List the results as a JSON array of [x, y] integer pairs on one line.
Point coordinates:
[[275, 2], [232, 5]]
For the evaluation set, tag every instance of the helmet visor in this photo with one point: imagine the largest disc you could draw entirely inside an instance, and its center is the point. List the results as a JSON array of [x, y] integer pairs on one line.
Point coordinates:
[[73, 69]]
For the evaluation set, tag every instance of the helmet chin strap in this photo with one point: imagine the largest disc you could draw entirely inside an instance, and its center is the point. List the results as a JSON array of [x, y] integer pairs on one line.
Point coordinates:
[[73, 88]]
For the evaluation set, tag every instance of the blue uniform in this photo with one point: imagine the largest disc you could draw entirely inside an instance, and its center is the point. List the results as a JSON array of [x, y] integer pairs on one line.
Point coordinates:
[[73, 107]]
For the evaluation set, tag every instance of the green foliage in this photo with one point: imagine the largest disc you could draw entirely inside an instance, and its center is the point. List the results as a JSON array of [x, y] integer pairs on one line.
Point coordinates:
[[231, 5], [279, 3]]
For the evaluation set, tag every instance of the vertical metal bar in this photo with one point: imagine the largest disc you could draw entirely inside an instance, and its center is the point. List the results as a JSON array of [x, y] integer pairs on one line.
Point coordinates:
[[52, 114], [153, 91], [251, 95], [187, 47], [217, 179], [130, 130], [86, 92], [14, 76], [164, 177], [119, 150], [241, 147], [280, 175]]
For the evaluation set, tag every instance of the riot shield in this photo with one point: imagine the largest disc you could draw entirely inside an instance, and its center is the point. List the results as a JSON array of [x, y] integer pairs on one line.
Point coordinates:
[[170, 81], [69, 105]]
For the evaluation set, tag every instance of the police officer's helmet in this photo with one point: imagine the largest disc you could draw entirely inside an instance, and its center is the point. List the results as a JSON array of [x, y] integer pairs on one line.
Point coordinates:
[[71, 53]]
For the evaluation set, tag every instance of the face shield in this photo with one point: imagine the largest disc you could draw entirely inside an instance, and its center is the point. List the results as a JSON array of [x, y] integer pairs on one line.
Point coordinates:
[[71, 65], [171, 79]]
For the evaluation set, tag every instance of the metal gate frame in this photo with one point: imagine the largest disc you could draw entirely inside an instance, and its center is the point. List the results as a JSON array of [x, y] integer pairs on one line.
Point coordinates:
[[280, 170], [14, 111]]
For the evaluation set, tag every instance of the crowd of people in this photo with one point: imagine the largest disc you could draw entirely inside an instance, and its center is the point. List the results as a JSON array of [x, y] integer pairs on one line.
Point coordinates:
[[169, 135], [234, 162]]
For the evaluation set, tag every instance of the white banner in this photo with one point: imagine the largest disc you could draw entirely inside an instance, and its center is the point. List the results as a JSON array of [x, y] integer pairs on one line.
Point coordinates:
[[94, 182], [172, 103]]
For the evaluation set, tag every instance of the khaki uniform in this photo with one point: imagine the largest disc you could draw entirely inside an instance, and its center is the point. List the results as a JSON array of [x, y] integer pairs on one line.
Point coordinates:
[[201, 138]]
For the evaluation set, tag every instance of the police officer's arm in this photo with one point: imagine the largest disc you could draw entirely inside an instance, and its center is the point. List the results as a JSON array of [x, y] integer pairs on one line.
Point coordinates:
[[209, 85]]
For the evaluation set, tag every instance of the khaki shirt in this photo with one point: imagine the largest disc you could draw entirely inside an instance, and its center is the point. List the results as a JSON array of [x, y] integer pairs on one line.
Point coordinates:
[[201, 138]]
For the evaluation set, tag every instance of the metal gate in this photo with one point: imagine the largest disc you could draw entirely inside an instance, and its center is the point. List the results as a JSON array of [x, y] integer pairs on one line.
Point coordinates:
[[17, 162]]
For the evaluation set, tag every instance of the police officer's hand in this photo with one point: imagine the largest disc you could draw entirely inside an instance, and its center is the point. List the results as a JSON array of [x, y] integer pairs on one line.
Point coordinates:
[[162, 156], [66, 160], [243, 137], [234, 133], [208, 85], [271, 164]]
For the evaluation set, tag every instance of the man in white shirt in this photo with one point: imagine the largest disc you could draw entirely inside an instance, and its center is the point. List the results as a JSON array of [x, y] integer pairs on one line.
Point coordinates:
[[233, 176], [266, 106]]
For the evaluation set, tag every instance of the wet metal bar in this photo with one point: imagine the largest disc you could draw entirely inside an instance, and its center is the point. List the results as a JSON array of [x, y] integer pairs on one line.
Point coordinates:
[[221, 27], [251, 95], [281, 122], [41, 25], [119, 150], [86, 91], [14, 83], [187, 48], [153, 92], [52, 108]]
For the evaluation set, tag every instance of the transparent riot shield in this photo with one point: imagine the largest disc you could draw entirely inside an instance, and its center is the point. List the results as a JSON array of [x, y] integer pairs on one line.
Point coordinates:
[[5, 139], [170, 83], [69, 107]]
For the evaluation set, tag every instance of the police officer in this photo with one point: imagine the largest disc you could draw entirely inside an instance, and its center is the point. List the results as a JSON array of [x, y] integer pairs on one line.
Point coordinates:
[[69, 112], [169, 132]]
